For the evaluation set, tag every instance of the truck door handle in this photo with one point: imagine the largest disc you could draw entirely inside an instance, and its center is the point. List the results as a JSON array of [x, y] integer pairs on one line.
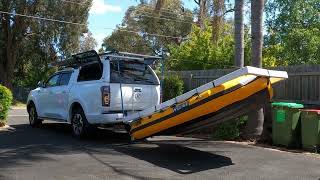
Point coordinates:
[[137, 89]]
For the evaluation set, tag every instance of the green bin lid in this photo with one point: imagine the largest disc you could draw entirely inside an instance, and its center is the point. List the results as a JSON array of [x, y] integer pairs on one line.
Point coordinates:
[[286, 104]]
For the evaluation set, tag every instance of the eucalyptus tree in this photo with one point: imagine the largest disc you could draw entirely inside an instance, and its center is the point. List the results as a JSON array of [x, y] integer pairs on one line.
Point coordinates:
[[218, 12], [203, 13], [87, 42], [257, 8], [217, 19], [147, 29], [254, 125], [22, 28], [239, 33], [293, 32]]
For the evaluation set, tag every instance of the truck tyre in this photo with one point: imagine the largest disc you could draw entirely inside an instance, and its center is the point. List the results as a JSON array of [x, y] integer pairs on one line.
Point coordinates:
[[34, 121], [79, 123]]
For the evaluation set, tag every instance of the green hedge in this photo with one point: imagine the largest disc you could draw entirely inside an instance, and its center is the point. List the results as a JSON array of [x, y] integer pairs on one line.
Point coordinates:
[[5, 103], [230, 130], [173, 86]]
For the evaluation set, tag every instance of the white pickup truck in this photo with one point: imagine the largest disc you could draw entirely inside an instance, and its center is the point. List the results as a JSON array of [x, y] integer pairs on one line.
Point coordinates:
[[95, 89]]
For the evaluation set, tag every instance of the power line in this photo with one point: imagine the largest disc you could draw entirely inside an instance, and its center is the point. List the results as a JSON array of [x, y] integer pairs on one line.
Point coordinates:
[[151, 34], [82, 24], [148, 14], [186, 22], [161, 15], [42, 18], [145, 5], [73, 2], [162, 9], [167, 10]]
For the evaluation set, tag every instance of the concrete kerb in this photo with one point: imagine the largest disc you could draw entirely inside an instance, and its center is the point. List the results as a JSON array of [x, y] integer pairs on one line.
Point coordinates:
[[6, 128], [16, 107]]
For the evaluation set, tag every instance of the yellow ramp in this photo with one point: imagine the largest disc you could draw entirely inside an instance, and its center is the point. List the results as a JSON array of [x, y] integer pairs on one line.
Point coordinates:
[[222, 99]]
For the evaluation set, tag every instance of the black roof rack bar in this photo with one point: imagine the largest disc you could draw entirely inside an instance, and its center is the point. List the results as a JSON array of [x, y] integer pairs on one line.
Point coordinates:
[[140, 55], [78, 59], [131, 54], [83, 58], [124, 57]]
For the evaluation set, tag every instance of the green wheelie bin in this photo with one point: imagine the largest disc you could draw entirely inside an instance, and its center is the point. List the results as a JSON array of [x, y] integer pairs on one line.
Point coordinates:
[[310, 129], [286, 124]]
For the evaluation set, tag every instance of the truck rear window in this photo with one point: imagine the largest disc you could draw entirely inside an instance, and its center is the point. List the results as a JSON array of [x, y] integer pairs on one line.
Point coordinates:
[[132, 72], [90, 72]]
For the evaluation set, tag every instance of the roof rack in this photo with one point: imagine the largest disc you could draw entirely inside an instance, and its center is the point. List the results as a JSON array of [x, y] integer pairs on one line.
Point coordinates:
[[118, 56], [92, 56], [130, 54], [79, 59]]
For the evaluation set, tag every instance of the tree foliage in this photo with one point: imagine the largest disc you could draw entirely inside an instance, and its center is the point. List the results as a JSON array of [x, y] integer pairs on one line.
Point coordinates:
[[173, 87], [293, 29], [30, 44], [142, 27], [5, 103], [199, 52], [87, 42], [123, 40]]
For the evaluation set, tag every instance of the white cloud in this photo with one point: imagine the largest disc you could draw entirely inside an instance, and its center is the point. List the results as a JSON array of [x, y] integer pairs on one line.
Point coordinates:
[[99, 7]]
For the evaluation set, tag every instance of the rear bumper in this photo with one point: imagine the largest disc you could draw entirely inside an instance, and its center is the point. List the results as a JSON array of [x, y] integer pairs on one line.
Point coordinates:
[[106, 118]]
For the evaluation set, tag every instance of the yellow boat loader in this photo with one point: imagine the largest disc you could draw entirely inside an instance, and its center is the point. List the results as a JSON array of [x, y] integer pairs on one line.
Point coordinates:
[[225, 98]]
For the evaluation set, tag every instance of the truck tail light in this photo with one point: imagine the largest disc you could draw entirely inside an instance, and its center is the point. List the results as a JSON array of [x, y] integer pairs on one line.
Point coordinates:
[[105, 94]]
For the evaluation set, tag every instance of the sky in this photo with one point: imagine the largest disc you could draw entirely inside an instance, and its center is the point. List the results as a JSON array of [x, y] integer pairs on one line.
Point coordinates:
[[109, 13]]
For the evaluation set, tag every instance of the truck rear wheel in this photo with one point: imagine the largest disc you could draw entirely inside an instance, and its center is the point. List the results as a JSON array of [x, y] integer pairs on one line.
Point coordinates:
[[79, 123]]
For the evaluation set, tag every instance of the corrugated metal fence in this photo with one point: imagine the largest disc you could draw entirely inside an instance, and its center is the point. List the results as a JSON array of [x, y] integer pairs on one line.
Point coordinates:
[[302, 86]]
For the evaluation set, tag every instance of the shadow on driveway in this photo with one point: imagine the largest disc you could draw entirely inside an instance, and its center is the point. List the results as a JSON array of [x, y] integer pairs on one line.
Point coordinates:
[[180, 159], [26, 145]]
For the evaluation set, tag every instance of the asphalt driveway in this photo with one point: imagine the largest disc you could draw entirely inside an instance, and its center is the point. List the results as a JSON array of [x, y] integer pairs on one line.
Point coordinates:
[[50, 152]]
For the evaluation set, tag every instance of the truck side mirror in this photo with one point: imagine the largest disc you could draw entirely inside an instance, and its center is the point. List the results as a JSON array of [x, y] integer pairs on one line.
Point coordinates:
[[40, 84]]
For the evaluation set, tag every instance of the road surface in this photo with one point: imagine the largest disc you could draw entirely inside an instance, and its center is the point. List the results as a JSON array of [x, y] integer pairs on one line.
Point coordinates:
[[50, 152]]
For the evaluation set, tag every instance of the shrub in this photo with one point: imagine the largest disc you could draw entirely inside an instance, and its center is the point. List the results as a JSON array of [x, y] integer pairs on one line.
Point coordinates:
[[5, 102], [230, 130], [172, 87]]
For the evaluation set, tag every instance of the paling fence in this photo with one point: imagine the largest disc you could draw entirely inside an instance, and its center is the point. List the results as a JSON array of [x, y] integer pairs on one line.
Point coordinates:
[[20, 93], [302, 86]]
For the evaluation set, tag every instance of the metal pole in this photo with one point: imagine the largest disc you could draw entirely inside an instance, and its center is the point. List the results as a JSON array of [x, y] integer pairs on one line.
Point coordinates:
[[162, 78], [120, 88]]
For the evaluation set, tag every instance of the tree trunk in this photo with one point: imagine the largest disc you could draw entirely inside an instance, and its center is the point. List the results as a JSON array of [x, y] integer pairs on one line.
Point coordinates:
[[5, 79], [159, 5], [257, 7], [239, 33], [202, 13], [12, 29], [3, 76], [217, 20], [7, 65], [7, 54], [254, 126]]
